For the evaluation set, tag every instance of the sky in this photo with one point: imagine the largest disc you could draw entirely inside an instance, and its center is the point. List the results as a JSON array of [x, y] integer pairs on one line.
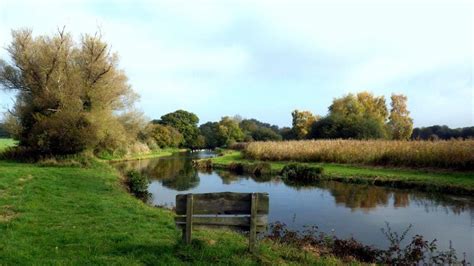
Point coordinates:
[[263, 59]]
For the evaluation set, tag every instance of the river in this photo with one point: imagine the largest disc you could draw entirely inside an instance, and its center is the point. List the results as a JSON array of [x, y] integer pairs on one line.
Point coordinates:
[[336, 208]]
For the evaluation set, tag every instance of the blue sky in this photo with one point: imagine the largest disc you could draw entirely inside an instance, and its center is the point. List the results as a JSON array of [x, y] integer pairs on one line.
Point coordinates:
[[262, 59]]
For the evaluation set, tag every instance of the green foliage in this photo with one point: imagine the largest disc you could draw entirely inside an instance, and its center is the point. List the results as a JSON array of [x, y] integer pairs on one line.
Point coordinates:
[[355, 127], [301, 173], [210, 131], [364, 116], [158, 136], [138, 184], [229, 131], [255, 130], [186, 123], [68, 93]]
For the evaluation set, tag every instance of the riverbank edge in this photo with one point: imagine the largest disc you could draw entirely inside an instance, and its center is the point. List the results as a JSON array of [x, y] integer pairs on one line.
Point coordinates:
[[152, 155], [228, 161]]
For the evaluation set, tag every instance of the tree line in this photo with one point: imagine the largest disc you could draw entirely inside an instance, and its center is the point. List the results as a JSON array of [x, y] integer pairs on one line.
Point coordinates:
[[72, 97]]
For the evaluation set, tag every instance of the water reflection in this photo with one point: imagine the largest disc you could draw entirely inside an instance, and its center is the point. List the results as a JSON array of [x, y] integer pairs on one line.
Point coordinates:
[[366, 197], [177, 173]]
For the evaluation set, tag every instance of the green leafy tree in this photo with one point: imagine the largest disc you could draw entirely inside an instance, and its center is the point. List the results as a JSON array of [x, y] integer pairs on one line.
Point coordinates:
[[360, 116], [210, 133], [67, 93], [302, 123], [186, 123], [400, 123], [161, 136], [255, 130], [229, 131]]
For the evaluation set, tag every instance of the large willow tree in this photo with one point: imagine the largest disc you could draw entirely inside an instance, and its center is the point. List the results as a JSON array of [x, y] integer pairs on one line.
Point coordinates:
[[68, 93]]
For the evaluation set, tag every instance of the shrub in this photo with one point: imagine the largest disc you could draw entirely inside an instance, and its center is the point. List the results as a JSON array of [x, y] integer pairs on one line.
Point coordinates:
[[301, 173], [137, 184]]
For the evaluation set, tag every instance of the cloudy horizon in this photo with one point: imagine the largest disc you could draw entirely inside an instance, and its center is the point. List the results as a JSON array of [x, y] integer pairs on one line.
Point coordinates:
[[264, 59]]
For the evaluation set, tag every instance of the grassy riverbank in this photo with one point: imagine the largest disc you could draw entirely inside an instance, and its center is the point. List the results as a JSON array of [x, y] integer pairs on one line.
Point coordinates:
[[445, 181], [5, 143], [151, 155], [71, 215]]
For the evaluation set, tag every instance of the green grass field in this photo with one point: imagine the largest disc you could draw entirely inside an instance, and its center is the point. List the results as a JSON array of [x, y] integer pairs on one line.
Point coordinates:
[[77, 216], [445, 179], [5, 143]]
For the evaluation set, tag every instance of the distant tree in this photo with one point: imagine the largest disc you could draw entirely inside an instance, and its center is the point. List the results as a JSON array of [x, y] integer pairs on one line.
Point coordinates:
[[302, 123], [210, 132], [400, 123], [229, 131], [68, 94], [360, 116], [336, 126], [442, 132], [255, 130], [287, 133], [186, 123], [363, 104], [3, 131]]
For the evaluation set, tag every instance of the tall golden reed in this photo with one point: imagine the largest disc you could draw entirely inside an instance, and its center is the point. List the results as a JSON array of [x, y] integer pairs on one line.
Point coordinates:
[[437, 154]]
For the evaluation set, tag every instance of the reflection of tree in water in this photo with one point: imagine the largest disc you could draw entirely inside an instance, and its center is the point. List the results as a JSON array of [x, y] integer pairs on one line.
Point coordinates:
[[174, 173], [434, 201], [358, 196], [179, 174], [367, 198], [228, 177]]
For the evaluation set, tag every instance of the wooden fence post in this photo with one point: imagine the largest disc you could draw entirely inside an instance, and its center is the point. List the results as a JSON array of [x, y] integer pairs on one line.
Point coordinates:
[[253, 223], [189, 219]]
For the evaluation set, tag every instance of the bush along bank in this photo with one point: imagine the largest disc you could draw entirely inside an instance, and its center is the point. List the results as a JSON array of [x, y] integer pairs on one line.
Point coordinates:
[[298, 173]]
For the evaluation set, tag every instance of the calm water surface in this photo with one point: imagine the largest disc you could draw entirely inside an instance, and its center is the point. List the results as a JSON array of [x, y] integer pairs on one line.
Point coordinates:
[[343, 209]]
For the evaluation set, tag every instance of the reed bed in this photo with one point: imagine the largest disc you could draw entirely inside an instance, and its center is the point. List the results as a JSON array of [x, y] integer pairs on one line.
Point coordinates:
[[458, 154]]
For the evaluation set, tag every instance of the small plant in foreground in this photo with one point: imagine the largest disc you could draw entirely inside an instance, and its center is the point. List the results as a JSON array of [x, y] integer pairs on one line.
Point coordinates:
[[138, 184]]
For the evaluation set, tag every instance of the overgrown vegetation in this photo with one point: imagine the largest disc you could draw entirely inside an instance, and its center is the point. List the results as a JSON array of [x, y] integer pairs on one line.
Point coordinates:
[[418, 251], [440, 154]]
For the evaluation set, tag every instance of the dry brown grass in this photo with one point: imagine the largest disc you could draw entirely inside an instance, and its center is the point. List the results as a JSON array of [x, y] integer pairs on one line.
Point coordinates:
[[438, 154]]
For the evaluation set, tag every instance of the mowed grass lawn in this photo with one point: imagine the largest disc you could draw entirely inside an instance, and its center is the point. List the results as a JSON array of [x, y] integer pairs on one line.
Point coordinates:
[[445, 178], [65, 215], [5, 143]]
